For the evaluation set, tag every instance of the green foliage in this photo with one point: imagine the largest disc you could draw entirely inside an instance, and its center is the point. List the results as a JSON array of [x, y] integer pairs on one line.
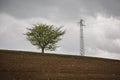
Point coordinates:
[[44, 36]]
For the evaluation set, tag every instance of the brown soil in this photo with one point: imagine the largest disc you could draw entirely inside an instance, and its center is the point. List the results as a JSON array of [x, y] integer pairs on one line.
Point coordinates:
[[19, 65]]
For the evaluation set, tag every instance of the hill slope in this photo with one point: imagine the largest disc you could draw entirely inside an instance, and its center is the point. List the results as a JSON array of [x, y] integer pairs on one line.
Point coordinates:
[[18, 65]]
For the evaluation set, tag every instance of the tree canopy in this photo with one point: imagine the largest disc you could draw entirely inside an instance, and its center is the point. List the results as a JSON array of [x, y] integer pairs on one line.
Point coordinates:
[[44, 36]]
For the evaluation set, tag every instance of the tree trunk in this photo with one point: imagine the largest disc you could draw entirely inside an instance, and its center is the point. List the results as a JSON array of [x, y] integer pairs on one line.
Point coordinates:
[[42, 50]]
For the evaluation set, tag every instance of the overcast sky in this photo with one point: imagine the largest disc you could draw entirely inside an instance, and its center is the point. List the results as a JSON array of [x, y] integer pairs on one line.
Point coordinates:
[[102, 20]]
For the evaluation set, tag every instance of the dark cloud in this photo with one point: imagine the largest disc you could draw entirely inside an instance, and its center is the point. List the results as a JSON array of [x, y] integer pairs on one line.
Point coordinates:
[[66, 10]]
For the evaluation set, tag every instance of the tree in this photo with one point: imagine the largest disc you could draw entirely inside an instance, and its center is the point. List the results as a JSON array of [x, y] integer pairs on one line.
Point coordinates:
[[44, 36]]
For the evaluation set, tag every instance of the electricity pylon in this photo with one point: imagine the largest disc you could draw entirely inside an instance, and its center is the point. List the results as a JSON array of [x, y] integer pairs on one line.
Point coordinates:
[[82, 50]]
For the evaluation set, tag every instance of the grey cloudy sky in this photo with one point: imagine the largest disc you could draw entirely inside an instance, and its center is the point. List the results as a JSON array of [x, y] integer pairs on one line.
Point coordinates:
[[102, 19]]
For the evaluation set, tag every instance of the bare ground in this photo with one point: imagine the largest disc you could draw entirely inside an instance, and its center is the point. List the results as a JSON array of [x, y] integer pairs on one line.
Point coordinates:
[[19, 65]]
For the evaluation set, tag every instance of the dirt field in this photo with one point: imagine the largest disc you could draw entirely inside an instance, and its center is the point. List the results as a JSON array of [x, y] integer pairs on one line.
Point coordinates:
[[18, 65]]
